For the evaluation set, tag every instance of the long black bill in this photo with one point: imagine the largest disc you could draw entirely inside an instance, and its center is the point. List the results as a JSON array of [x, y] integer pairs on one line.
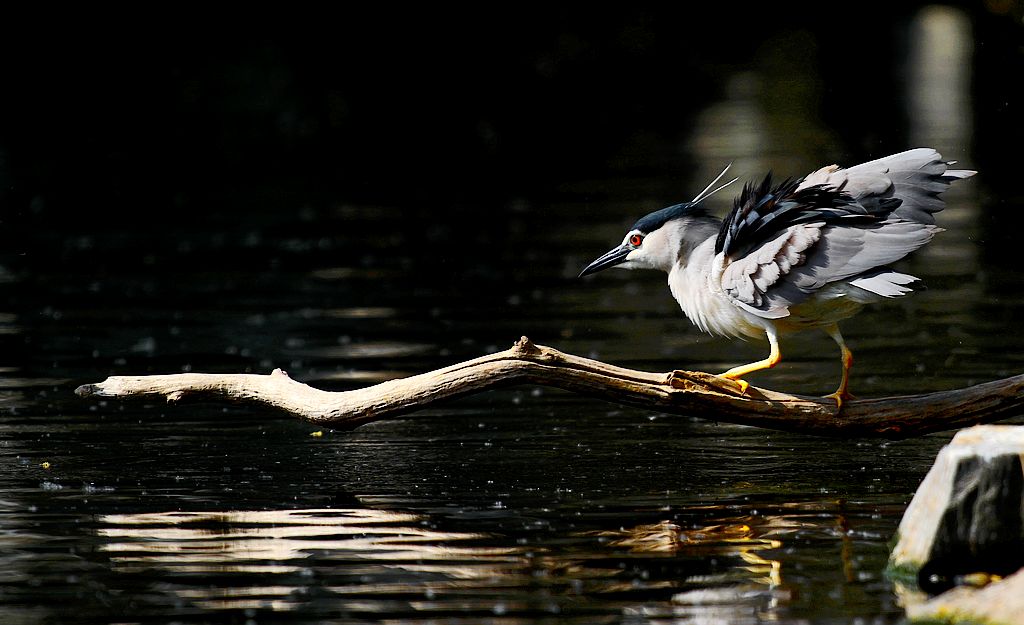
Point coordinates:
[[610, 259]]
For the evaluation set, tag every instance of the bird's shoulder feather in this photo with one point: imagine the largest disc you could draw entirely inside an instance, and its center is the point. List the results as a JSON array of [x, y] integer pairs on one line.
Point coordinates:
[[762, 211]]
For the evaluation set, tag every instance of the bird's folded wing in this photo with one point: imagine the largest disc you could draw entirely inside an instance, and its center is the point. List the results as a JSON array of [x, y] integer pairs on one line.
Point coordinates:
[[805, 258], [749, 279]]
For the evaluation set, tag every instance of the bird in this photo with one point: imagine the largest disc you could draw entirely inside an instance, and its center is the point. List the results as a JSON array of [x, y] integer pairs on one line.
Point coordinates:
[[794, 255]]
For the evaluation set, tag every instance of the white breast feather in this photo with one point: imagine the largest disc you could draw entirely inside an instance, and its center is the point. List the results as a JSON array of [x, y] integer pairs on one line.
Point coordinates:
[[697, 287]]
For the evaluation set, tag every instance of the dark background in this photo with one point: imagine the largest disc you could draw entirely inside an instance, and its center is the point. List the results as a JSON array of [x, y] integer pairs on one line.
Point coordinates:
[[179, 116]]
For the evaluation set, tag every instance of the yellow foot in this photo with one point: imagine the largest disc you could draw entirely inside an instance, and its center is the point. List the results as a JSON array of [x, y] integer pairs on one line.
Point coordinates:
[[743, 384], [840, 396]]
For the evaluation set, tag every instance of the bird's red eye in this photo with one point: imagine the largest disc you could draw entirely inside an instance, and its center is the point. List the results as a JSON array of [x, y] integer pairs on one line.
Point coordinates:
[[636, 240]]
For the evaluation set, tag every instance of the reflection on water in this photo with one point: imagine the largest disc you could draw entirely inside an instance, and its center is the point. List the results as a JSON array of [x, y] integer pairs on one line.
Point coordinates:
[[199, 539], [370, 561], [283, 544]]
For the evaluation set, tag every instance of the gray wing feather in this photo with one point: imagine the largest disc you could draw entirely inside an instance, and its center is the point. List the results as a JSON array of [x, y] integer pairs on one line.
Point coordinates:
[[916, 178], [857, 255], [845, 253], [885, 282]]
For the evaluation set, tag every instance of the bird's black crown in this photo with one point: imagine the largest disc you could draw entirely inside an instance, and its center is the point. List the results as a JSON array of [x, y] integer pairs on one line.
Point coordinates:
[[651, 222]]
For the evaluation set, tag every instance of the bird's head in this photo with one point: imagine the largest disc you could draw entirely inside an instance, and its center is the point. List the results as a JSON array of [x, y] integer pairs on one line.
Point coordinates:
[[659, 240], [665, 237]]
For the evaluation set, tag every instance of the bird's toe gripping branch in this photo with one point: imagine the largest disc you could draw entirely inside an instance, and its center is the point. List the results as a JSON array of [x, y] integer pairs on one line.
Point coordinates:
[[742, 384], [841, 396]]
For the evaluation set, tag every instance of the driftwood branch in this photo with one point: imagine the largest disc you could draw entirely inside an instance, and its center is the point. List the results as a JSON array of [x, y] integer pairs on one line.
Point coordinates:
[[686, 393]]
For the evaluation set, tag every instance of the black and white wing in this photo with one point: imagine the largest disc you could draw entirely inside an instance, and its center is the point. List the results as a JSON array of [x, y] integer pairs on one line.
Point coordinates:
[[780, 244]]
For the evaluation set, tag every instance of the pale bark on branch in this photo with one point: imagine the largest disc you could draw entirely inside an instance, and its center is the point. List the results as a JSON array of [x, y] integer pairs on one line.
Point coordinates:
[[687, 393]]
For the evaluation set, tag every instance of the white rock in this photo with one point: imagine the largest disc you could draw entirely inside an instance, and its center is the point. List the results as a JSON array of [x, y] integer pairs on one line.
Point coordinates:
[[967, 513]]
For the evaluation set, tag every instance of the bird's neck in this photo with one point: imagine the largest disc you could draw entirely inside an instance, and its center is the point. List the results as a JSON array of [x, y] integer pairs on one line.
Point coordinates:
[[687, 235]]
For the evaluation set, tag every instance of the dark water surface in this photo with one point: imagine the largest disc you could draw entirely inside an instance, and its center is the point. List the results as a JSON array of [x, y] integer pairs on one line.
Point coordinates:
[[519, 506]]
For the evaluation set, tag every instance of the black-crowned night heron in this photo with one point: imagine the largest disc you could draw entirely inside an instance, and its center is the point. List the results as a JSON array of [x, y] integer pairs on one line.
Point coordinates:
[[805, 253]]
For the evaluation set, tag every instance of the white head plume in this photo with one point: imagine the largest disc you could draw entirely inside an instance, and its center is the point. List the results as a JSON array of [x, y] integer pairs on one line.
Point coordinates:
[[703, 195]]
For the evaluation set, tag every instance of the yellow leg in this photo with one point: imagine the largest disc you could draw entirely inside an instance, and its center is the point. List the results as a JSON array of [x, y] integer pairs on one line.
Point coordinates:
[[843, 392], [773, 359]]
